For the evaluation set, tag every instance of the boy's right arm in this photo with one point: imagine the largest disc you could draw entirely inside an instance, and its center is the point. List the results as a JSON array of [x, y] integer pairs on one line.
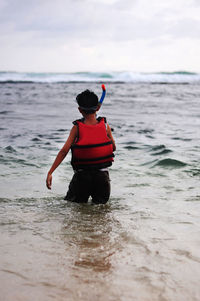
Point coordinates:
[[62, 154]]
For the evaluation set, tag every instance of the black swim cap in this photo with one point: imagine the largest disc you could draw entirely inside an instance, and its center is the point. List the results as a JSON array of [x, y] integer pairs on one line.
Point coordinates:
[[87, 101]]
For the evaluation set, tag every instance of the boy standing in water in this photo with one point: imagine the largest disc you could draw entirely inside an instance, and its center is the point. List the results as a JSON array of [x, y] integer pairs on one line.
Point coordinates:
[[92, 146]]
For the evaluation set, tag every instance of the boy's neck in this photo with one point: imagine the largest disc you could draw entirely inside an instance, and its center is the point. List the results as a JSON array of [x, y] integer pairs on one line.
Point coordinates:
[[90, 119]]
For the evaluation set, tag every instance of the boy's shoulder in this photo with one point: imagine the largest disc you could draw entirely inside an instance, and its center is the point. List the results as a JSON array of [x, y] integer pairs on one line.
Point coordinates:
[[75, 122], [102, 118]]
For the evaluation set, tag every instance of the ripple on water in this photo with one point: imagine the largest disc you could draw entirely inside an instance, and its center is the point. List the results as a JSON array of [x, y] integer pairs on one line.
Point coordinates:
[[36, 139], [130, 147], [193, 199], [187, 254], [160, 150], [5, 112], [194, 172], [170, 163], [145, 131], [10, 149]]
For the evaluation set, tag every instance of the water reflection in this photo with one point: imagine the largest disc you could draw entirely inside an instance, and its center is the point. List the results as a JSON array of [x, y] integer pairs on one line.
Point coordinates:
[[88, 229]]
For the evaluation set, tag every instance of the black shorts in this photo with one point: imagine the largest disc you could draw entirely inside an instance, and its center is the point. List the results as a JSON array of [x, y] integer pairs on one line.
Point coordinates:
[[87, 183]]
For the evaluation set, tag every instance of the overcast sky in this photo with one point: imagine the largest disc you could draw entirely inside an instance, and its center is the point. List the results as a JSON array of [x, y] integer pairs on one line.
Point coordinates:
[[99, 35]]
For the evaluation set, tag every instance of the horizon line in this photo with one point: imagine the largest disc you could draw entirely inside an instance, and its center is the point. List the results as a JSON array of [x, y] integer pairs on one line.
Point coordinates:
[[181, 71]]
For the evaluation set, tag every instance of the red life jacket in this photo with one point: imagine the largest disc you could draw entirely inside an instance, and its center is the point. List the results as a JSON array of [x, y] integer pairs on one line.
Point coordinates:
[[92, 149]]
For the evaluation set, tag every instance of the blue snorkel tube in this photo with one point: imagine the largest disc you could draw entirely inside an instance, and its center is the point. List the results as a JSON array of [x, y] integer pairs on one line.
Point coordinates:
[[103, 94], [102, 98]]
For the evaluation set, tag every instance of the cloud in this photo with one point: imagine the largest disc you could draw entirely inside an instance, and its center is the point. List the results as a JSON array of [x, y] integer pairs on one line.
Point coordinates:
[[96, 33], [109, 19]]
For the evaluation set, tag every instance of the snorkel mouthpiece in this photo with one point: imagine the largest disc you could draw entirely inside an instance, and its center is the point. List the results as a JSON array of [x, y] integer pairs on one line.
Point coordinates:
[[103, 94]]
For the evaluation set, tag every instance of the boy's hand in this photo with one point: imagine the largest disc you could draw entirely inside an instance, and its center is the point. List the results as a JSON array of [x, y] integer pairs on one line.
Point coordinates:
[[49, 181]]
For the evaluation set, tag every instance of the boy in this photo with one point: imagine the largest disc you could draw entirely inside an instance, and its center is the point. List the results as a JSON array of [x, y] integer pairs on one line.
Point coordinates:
[[92, 146]]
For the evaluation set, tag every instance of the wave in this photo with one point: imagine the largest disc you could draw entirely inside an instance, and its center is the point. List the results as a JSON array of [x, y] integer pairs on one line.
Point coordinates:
[[10, 149], [160, 150], [121, 77], [171, 163]]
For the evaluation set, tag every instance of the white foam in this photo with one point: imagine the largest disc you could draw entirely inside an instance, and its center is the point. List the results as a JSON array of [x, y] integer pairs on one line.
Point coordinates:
[[175, 77]]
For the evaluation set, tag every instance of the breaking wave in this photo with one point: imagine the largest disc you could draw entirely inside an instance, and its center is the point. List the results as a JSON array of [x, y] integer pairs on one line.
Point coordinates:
[[132, 77]]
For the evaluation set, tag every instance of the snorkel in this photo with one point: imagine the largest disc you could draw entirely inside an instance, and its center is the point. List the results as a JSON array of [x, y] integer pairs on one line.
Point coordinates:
[[103, 94]]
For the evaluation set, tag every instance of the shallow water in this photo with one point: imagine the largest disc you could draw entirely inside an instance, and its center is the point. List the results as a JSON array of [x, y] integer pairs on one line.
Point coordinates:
[[143, 244]]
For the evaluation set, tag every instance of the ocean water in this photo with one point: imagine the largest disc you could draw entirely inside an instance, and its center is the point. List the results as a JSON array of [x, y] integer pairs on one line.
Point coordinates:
[[144, 243]]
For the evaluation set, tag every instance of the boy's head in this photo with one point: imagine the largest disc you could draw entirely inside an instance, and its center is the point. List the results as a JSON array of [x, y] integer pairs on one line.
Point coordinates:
[[87, 101]]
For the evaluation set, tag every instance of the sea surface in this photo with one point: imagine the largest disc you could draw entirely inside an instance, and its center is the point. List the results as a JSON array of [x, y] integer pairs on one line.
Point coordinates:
[[144, 244]]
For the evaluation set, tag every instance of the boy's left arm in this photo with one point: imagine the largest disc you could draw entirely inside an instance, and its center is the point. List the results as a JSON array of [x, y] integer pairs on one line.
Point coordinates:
[[109, 134]]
